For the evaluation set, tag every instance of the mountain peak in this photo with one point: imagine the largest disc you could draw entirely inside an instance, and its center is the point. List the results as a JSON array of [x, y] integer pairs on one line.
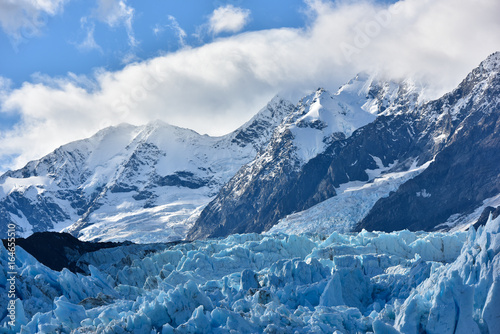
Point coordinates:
[[359, 85], [382, 96], [488, 67], [276, 99], [114, 128], [262, 124], [320, 90], [157, 123], [492, 63]]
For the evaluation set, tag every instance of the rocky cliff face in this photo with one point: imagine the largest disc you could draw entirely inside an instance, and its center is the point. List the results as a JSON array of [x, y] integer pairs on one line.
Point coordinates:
[[465, 171]]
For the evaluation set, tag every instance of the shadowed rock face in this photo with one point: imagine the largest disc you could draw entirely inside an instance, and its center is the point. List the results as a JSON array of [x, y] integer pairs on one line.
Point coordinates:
[[462, 175], [264, 201], [485, 215], [459, 132]]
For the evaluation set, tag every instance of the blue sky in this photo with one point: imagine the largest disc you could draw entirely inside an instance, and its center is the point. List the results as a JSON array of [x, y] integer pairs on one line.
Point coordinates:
[[68, 68], [53, 44]]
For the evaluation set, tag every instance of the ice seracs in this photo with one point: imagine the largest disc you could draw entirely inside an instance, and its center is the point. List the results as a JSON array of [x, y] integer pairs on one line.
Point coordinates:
[[462, 297], [379, 282]]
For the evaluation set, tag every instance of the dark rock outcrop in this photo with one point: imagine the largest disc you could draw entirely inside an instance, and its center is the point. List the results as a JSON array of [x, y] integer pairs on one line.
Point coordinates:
[[60, 250]]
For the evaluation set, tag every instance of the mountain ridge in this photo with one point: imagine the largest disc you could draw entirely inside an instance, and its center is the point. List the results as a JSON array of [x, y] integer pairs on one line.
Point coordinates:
[[403, 134], [373, 145], [80, 183], [465, 165], [260, 204]]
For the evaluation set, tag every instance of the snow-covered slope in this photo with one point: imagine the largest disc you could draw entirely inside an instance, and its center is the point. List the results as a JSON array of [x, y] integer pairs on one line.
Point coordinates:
[[320, 119], [378, 282], [384, 97], [142, 184]]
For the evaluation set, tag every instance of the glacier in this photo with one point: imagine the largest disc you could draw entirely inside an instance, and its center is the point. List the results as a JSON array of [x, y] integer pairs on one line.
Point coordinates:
[[353, 202], [399, 282]]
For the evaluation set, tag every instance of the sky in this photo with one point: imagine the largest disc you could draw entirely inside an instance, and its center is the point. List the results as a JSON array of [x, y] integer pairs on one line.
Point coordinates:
[[69, 68]]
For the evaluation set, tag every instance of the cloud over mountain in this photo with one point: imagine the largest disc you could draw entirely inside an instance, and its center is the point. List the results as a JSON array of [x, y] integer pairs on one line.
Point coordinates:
[[215, 87]]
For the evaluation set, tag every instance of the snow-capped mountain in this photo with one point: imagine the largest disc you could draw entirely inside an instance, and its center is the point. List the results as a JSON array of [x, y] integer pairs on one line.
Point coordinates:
[[473, 103], [131, 183], [415, 166], [150, 183], [375, 155], [274, 184]]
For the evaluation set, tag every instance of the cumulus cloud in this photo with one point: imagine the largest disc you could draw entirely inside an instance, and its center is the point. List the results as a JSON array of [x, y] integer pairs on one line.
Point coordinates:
[[24, 18], [117, 13], [228, 19], [216, 87]]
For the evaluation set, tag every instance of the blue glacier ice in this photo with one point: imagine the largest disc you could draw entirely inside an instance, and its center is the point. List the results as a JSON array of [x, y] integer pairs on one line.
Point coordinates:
[[400, 282]]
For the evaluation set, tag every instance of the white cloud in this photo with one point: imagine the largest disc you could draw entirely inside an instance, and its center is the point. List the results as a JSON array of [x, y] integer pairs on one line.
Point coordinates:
[[179, 32], [5, 89], [158, 29], [89, 42], [216, 87], [228, 19], [23, 19], [5, 84], [130, 57], [116, 13]]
